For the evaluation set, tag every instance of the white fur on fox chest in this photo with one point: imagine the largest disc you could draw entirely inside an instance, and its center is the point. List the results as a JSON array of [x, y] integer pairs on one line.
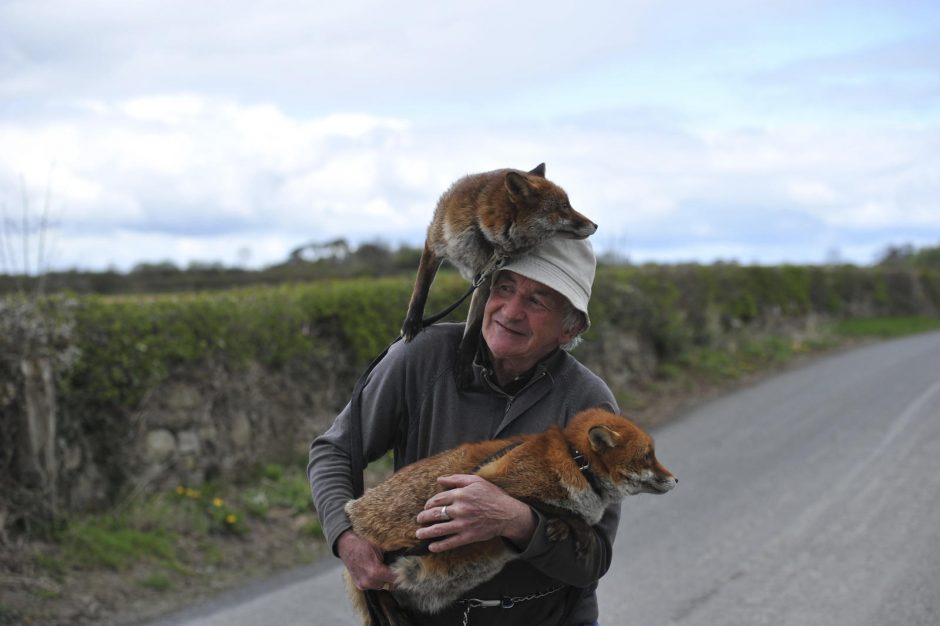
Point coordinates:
[[467, 250], [584, 502]]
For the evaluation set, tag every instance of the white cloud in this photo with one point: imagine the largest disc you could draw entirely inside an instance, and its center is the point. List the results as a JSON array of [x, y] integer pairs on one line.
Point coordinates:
[[180, 167], [192, 130]]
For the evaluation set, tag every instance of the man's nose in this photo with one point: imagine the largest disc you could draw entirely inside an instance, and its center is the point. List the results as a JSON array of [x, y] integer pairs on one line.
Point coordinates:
[[514, 307]]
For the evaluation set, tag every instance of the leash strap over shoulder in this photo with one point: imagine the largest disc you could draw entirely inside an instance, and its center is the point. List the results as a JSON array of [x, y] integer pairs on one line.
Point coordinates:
[[356, 458], [357, 461]]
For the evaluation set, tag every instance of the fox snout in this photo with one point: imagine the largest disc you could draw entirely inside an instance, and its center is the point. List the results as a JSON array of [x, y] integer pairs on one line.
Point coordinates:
[[580, 227], [655, 480], [648, 481], [664, 484]]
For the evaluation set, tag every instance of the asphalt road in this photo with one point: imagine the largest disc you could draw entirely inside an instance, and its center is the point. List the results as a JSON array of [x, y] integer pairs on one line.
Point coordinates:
[[812, 498]]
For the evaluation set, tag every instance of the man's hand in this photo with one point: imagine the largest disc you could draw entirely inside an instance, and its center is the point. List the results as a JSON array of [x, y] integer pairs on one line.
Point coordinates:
[[364, 562], [478, 511]]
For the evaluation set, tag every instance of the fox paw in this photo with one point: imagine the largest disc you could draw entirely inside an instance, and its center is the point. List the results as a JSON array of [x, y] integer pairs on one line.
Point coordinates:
[[557, 530], [411, 328], [582, 546], [463, 367]]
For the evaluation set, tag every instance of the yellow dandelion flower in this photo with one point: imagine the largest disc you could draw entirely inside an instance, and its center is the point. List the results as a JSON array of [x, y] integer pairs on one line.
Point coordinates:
[[217, 502], [230, 519], [180, 490]]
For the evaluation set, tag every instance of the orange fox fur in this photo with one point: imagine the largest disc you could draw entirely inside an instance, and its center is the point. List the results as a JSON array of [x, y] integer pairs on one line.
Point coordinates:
[[540, 471], [503, 213]]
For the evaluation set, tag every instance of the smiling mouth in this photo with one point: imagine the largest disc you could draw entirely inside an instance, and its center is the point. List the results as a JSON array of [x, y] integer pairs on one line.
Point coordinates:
[[508, 329]]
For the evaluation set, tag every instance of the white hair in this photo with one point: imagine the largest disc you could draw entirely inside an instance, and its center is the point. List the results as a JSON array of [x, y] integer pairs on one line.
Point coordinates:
[[574, 321]]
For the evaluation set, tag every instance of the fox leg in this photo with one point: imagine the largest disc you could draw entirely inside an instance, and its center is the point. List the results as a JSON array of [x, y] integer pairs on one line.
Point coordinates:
[[358, 599], [389, 612], [463, 369], [376, 608], [559, 529], [427, 269]]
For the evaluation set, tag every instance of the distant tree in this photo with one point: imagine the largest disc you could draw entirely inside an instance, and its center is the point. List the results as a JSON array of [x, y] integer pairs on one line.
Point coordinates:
[[929, 257], [161, 267], [407, 258], [375, 257], [613, 257], [336, 250], [205, 266], [906, 255]]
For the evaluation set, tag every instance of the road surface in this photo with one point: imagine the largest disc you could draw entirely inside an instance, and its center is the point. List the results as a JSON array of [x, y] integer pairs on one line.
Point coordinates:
[[812, 498]]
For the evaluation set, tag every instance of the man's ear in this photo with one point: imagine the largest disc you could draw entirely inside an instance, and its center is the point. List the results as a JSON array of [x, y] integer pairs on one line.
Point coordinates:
[[566, 336], [602, 438]]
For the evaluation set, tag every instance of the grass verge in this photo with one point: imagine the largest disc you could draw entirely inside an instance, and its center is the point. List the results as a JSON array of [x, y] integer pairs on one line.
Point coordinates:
[[887, 327], [165, 550]]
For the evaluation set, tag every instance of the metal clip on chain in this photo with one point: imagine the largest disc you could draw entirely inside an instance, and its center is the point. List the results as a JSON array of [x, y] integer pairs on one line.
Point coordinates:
[[503, 603], [494, 264]]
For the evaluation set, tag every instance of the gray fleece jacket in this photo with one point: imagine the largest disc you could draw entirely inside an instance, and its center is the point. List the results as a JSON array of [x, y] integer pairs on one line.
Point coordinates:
[[411, 405]]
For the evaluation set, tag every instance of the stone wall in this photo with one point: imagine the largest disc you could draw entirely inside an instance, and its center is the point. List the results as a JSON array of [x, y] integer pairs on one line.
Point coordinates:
[[216, 423]]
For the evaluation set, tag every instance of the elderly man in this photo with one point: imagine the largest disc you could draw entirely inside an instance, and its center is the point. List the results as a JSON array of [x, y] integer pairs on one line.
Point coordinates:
[[524, 381]]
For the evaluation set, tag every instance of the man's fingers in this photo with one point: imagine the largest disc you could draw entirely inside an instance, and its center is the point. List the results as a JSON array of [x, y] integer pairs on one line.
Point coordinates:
[[373, 578], [445, 544], [436, 513], [457, 480]]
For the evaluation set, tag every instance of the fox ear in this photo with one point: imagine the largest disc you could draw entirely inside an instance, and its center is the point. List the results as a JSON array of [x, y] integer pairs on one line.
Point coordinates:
[[517, 185], [539, 170], [602, 437]]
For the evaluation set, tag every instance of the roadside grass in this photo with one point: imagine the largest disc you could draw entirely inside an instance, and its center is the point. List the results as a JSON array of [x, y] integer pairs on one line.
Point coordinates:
[[158, 581], [886, 327], [163, 539], [742, 357], [9, 616], [701, 370], [108, 542], [277, 490], [176, 544], [745, 355]]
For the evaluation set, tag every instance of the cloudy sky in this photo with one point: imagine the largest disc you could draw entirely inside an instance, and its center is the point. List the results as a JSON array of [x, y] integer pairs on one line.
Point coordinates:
[[764, 132]]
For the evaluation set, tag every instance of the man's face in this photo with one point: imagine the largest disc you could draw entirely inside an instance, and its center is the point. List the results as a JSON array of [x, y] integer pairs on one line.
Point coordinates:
[[523, 320]]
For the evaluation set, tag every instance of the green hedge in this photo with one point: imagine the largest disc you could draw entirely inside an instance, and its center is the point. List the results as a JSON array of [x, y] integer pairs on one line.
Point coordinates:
[[678, 306], [128, 344]]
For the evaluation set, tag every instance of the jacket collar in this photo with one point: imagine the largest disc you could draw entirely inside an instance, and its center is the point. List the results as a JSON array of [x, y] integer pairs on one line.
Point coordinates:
[[538, 386], [486, 375]]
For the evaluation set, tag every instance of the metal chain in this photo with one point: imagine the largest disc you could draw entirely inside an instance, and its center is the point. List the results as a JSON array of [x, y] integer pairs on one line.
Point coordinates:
[[505, 603], [496, 262]]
